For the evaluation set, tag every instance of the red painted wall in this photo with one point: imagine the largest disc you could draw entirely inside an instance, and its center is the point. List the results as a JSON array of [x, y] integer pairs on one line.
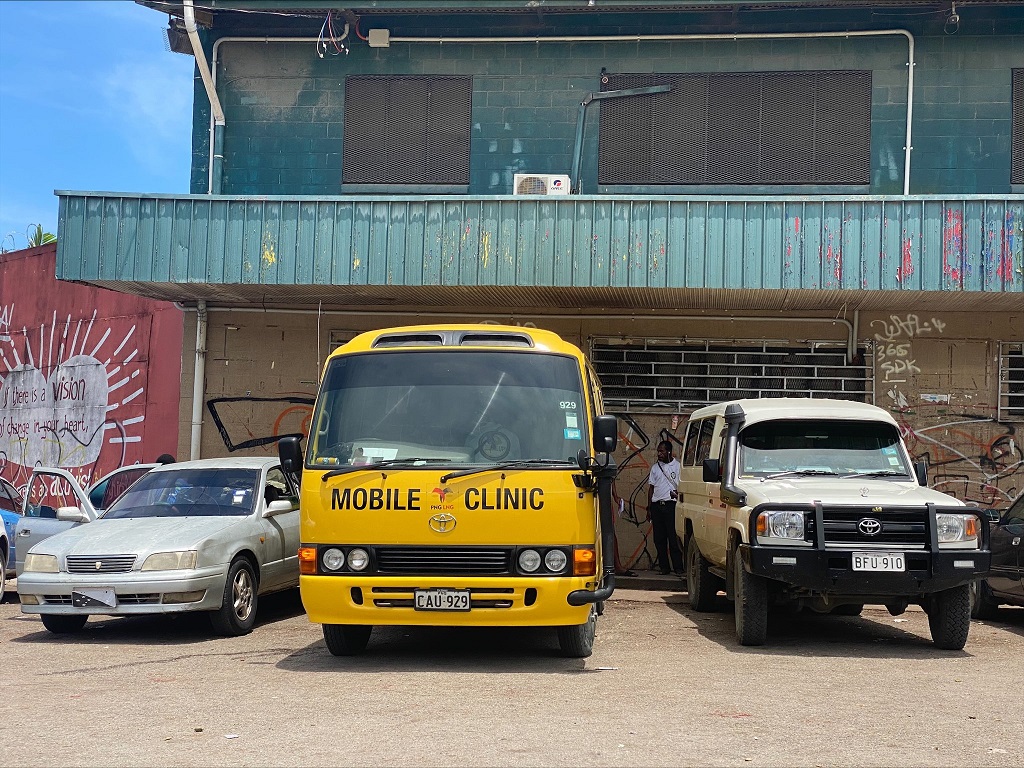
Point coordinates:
[[89, 378]]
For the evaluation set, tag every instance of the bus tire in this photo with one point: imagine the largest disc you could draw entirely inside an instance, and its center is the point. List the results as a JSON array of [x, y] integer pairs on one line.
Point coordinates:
[[751, 604], [577, 641], [949, 618], [346, 639], [701, 585]]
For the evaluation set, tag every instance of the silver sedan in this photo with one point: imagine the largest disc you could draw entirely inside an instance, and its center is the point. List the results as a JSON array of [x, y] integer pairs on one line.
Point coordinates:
[[209, 535]]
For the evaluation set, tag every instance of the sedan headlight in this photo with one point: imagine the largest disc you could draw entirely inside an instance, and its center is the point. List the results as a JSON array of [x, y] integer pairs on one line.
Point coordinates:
[[781, 525], [170, 561], [957, 527], [40, 563]]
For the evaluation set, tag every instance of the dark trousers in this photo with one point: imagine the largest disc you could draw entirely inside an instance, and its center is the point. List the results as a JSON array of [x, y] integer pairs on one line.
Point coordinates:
[[663, 525]]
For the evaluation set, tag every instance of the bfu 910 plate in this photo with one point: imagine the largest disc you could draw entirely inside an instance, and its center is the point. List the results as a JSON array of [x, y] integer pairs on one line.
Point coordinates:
[[442, 600], [879, 561]]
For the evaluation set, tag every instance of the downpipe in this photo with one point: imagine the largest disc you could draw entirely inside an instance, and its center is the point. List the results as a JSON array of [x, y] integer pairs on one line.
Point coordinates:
[[605, 476]]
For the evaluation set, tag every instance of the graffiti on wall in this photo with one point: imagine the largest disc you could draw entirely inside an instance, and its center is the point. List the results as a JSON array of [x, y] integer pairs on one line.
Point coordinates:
[[894, 344], [71, 390]]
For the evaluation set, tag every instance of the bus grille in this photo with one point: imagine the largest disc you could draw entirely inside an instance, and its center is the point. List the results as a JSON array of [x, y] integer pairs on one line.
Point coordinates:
[[444, 561]]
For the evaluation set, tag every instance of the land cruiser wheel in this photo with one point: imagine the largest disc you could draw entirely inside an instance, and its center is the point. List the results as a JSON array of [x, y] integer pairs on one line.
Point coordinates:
[[346, 639], [701, 584], [751, 603], [577, 641], [63, 625], [950, 618], [983, 605]]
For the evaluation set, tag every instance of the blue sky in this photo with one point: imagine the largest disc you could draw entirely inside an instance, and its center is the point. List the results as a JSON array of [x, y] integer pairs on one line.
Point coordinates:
[[90, 99]]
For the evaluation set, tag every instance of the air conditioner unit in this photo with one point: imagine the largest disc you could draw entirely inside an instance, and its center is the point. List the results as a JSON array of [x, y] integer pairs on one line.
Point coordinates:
[[540, 184]]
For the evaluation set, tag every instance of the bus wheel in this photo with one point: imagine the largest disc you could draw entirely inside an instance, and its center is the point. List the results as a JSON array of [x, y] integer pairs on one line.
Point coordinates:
[[346, 639], [577, 641]]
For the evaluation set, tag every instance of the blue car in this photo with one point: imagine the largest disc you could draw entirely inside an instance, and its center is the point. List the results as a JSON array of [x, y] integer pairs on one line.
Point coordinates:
[[10, 511]]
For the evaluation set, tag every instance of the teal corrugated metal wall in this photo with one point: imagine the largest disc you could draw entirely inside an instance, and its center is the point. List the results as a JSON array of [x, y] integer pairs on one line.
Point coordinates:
[[973, 243]]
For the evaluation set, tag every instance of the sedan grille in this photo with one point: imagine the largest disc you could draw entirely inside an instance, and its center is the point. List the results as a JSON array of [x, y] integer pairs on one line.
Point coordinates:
[[444, 560], [100, 563]]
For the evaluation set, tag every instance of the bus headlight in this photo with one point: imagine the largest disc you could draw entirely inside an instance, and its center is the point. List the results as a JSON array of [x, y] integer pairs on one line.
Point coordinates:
[[333, 559], [555, 560], [957, 527], [358, 559], [529, 560], [781, 525]]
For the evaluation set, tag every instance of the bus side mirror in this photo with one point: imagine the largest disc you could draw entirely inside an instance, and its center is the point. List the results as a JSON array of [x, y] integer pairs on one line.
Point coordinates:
[[290, 454], [921, 470], [606, 434], [712, 470]]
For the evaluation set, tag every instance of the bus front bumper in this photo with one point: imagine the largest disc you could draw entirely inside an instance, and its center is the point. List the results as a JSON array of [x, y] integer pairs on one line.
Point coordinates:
[[494, 601]]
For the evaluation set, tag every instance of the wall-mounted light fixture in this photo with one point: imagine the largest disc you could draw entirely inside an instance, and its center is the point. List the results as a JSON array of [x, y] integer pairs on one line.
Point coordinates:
[[952, 25]]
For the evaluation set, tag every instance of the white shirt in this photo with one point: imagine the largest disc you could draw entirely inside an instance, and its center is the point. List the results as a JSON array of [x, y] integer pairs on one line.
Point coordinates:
[[664, 478]]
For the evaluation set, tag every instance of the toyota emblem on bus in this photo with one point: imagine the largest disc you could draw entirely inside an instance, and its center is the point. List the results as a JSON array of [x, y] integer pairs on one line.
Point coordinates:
[[443, 523]]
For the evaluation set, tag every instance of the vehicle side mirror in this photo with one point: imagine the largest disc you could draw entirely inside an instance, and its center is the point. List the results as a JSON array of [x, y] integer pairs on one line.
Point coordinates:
[[606, 434], [72, 515], [921, 470], [290, 453], [712, 470], [278, 507]]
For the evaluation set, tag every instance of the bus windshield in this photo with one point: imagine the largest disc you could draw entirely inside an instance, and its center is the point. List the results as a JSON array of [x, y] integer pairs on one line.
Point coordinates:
[[465, 407]]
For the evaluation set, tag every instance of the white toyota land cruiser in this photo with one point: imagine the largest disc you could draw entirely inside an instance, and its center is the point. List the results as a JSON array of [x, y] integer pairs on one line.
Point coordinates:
[[816, 503]]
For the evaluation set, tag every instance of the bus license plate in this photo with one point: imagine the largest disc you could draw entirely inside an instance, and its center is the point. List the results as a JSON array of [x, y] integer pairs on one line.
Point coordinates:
[[874, 561], [442, 600]]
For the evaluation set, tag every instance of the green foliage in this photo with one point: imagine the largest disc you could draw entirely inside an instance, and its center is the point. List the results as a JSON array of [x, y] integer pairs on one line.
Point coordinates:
[[36, 236]]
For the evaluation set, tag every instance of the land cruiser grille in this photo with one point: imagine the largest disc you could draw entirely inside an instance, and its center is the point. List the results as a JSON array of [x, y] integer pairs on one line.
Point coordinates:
[[901, 527], [100, 563], [444, 560]]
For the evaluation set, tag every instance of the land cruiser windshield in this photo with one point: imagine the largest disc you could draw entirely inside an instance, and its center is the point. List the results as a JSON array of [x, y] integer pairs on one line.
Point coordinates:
[[446, 406], [814, 447]]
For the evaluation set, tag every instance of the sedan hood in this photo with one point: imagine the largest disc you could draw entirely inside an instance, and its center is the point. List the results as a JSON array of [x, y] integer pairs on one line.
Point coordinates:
[[833, 490], [140, 535]]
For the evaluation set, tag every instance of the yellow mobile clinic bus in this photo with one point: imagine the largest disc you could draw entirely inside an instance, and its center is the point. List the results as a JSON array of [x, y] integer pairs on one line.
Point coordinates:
[[456, 476]]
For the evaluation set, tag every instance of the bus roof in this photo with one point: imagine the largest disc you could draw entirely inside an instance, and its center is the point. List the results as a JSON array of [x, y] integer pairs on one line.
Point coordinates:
[[462, 336]]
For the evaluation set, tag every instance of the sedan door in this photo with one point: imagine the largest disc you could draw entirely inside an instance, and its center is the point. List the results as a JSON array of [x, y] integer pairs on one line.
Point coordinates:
[[281, 532], [10, 511], [48, 490]]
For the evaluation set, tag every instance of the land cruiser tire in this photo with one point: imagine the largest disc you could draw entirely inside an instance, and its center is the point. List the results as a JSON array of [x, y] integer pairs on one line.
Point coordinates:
[[346, 639], [63, 625], [983, 605], [701, 584], [577, 641], [751, 604], [950, 618]]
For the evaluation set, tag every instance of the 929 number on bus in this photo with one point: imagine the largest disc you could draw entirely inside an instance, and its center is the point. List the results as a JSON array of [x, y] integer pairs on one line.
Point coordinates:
[[441, 600]]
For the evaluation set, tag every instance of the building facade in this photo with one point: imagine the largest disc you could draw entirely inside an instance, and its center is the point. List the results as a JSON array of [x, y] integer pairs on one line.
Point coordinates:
[[714, 199]]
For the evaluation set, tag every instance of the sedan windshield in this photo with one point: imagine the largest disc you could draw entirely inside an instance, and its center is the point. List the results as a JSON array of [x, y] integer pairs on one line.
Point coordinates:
[[447, 406], [847, 448], [215, 492]]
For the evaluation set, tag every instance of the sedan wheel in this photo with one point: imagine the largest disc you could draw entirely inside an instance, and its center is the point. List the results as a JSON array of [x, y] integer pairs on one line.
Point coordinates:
[[237, 613], [63, 625]]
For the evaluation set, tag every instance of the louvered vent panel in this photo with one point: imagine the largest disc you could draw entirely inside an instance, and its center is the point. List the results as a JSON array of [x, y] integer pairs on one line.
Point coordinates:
[[738, 128], [1017, 142], [407, 130]]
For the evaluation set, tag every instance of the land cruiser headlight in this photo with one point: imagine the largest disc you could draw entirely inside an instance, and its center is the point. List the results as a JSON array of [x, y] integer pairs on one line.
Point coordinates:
[[781, 525], [40, 564], [956, 527], [358, 559], [529, 560], [170, 561]]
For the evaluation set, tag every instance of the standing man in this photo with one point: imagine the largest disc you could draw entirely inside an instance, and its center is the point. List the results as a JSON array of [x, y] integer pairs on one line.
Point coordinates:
[[661, 508]]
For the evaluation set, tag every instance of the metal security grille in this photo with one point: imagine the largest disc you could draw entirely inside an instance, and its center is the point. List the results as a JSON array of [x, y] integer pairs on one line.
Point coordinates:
[[407, 130], [1017, 141], [1011, 382], [655, 372], [738, 128]]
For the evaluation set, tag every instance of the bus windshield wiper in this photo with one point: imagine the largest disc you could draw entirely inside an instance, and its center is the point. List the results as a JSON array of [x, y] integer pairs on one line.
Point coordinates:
[[798, 472], [877, 473], [398, 463], [505, 465]]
